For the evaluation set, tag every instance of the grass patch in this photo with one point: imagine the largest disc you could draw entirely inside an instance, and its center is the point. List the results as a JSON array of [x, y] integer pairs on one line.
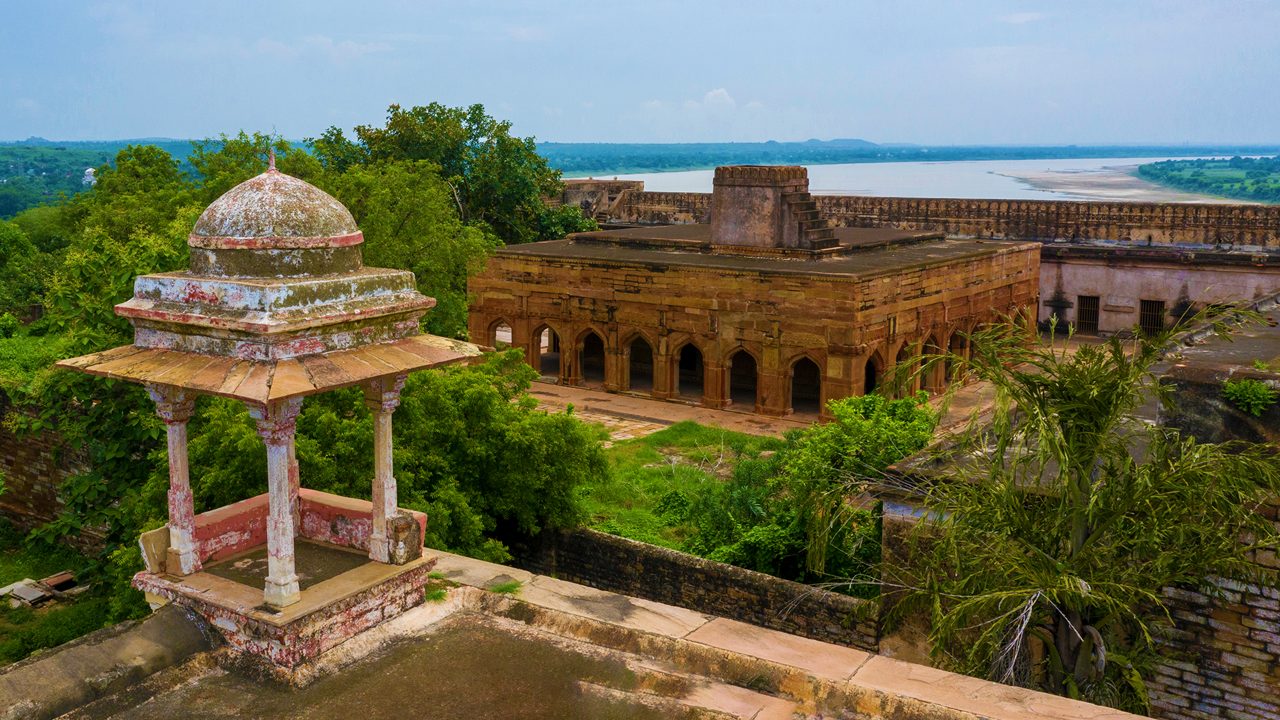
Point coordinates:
[[511, 587], [655, 476], [436, 594]]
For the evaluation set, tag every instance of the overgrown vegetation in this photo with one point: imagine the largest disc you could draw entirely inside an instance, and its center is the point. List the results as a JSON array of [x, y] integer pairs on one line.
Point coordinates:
[[1252, 396], [1053, 529], [775, 506], [1242, 178]]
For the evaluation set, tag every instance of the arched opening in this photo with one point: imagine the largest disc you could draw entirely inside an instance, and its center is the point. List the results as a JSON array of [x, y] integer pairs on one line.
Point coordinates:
[[806, 387], [905, 377], [690, 372], [591, 359], [500, 335], [640, 367], [742, 379], [546, 348], [871, 376]]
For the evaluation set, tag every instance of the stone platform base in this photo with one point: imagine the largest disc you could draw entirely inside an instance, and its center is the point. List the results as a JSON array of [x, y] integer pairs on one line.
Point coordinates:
[[283, 644]]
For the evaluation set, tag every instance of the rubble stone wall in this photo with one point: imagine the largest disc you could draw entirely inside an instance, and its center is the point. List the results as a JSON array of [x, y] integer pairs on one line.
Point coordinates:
[[634, 568], [33, 467]]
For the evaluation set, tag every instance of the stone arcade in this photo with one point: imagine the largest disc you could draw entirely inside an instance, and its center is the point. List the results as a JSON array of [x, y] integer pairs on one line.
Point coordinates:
[[278, 305], [766, 307]]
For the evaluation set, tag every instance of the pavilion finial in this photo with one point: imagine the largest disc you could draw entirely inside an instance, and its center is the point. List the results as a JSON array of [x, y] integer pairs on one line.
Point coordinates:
[[271, 159]]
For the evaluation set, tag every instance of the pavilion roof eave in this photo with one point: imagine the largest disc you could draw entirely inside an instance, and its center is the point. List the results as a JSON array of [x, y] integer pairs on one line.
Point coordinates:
[[265, 381]]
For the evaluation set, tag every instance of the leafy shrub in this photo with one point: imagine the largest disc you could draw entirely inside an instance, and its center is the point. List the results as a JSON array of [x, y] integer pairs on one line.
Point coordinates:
[[1249, 395]]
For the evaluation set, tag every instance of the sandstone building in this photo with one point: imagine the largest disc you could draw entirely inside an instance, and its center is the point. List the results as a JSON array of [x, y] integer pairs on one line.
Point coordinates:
[[765, 307], [1106, 267]]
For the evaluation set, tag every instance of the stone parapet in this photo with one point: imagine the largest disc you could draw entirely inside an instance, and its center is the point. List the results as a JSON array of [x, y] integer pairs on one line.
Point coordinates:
[[655, 573]]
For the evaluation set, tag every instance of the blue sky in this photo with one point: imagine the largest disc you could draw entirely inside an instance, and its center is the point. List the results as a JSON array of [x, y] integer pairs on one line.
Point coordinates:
[[977, 71]]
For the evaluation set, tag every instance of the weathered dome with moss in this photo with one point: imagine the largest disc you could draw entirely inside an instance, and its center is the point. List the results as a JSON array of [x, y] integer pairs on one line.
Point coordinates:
[[274, 210]]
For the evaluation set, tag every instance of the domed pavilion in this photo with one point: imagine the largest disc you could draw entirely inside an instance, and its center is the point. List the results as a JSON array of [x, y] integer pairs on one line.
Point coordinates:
[[277, 305]]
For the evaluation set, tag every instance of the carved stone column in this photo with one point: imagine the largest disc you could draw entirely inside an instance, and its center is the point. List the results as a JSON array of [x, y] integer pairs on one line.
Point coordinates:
[[382, 396], [276, 425], [174, 406]]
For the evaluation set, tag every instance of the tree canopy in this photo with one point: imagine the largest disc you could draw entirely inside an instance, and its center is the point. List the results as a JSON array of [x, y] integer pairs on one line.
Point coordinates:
[[497, 180], [1053, 529]]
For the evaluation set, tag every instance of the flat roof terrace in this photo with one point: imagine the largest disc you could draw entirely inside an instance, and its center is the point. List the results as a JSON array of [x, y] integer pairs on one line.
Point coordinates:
[[861, 251]]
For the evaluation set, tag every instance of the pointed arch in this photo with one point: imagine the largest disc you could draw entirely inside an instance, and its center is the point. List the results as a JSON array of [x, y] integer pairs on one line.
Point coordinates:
[[639, 364], [591, 358], [545, 352], [806, 385], [743, 376], [689, 371], [500, 334]]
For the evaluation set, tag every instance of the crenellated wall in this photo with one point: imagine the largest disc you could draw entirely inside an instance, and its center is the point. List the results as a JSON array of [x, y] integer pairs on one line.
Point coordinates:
[[1159, 223]]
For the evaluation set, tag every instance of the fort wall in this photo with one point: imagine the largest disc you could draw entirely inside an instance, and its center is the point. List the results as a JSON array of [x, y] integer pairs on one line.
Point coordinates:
[[1155, 223]]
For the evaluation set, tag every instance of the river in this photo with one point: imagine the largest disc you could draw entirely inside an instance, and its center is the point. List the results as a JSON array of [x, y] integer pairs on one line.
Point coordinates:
[[1107, 179]]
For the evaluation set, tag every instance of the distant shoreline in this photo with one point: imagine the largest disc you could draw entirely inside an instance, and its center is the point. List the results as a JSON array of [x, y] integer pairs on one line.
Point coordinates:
[[1114, 183]]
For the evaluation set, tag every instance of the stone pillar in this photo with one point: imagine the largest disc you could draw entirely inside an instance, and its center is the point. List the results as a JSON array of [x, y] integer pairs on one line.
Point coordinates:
[[773, 391], [174, 406], [616, 365], [276, 425], [663, 370], [382, 396], [715, 382]]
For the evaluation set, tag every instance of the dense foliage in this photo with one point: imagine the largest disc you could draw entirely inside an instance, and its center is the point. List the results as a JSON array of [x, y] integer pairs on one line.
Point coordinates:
[[782, 508], [1242, 178], [496, 180], [471, 449], [1054, 528]]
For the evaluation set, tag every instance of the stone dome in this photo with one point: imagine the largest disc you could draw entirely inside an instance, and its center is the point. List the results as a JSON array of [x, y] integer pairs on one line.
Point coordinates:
[[275, 210]]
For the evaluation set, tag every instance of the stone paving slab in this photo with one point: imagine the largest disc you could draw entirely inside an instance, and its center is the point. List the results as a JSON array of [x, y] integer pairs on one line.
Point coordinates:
[[630, 612], [864, 675], [823, 660]]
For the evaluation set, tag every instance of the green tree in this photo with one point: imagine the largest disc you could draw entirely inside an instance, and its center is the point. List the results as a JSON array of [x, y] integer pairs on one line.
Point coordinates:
[[821, 464], [496, 179], [141, 192], [229, 160], [1058, 524], [23, 270], [409, 222]]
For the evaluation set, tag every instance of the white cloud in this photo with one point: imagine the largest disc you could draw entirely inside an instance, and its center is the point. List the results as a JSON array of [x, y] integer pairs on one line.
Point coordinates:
[[1021, 18], [719, 98]]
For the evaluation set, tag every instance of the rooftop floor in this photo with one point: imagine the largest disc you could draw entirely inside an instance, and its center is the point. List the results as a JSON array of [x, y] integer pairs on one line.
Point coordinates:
[[556, 649], [313, 562], [863, 252]]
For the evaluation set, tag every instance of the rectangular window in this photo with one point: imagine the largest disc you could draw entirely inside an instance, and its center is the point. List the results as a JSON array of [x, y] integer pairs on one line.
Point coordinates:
[[1151, 316], [1087, 314]]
